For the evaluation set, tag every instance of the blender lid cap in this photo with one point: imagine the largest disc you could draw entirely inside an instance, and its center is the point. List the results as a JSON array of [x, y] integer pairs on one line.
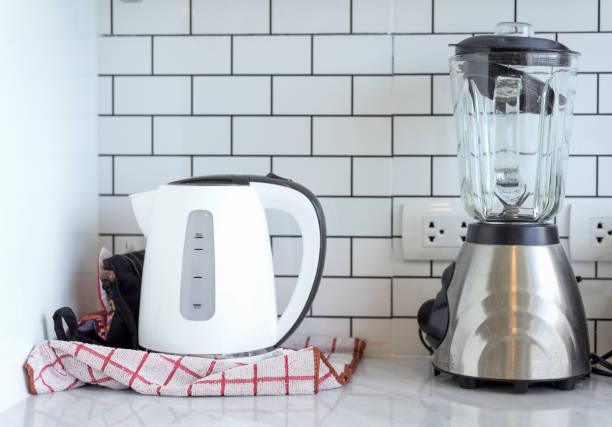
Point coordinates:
[[509, 37]]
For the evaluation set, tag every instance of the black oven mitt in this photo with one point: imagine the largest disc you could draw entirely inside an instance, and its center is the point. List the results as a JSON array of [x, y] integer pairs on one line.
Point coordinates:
[[117, 325]]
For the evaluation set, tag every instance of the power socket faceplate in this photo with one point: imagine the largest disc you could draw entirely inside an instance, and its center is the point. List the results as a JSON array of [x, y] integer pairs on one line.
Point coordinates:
[[433, 228], [444, 231], [590, 230]]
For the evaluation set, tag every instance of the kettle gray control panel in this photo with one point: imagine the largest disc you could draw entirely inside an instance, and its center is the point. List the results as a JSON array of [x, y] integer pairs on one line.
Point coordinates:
[[198, 276]]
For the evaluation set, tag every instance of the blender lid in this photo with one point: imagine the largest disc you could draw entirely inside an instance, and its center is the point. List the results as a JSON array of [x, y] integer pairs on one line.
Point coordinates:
[[510, 37]]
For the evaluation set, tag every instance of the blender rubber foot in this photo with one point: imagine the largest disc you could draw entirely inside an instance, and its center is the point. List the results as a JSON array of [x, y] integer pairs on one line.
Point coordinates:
[[468, 383], [566, 385], [521, 387]]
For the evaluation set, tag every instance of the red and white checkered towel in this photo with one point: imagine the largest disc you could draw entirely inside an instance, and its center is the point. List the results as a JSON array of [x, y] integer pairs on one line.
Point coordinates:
[[304, 366]]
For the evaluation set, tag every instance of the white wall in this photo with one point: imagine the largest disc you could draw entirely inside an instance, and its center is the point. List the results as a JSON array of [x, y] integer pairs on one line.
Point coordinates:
[[349, 97], [48, 173]]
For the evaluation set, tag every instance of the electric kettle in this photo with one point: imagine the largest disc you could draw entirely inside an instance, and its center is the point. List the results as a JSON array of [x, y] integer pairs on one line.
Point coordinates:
[[208, 279]]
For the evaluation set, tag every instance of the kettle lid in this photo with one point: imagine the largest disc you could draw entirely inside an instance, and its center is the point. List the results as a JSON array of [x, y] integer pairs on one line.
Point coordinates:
[[231, 180]]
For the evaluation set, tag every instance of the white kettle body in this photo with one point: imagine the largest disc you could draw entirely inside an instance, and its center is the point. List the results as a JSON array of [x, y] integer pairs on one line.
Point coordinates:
[[208, 278]]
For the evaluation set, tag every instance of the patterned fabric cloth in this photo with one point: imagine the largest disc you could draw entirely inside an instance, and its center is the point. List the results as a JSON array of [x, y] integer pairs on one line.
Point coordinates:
[[304, 365]]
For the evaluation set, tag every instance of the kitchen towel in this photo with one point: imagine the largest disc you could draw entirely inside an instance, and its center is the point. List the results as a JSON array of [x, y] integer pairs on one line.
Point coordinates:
[[304, 365]]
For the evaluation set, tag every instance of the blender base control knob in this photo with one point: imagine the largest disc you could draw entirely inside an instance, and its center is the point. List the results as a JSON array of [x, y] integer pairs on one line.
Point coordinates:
[[433, 313]]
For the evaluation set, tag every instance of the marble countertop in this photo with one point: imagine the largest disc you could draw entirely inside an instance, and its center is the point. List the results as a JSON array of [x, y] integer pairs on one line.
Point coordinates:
[[385, 391]]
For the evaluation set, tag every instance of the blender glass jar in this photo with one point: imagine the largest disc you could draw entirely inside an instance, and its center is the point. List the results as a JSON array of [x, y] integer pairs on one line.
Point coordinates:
[[513, 97]]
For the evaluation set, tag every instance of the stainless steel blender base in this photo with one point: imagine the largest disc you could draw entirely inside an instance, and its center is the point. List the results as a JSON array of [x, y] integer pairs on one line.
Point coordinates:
[[514, 313]]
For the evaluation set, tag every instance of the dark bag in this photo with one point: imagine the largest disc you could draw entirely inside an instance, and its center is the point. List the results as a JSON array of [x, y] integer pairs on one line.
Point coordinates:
[[117, 324]]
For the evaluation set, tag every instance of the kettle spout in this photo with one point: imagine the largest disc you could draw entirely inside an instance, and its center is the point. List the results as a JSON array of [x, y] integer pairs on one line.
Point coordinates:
[[142, 205]]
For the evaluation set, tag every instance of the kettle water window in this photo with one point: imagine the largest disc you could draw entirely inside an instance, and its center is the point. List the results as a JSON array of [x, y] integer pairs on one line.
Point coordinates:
[[198, 275]]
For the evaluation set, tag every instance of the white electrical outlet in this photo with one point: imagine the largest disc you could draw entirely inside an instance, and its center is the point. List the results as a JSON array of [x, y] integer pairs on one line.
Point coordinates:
[[433, 228], [444, 231], [590, 230]]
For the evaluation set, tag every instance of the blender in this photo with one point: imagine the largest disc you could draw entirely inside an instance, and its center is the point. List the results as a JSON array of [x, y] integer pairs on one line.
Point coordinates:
[[509, 309]]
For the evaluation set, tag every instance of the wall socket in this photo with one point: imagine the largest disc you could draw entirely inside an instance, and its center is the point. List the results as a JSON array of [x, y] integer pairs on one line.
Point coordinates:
[[433, 228], [444, 231], [590, 230]]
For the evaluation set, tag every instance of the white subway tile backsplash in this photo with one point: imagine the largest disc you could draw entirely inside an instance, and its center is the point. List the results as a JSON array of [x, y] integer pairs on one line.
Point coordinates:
[[353, 297], [605, 176], [470, 16], [586, 94], [355, 54], [597, 298], [230, 16], [231, 95], [374, 16], [605, 15], [446, 176], [231, 165], [134, 174], [308, 89], [605, 93], [433, 135], [115, 216], [272, 55], [287, 255], [105, 95], [271, 135], [152, 95], [371, 16], [359, 136], [284, 289], [106, 242], [591, 46], [442, 99], [356, 216], [409, 294], [392, 95], [377, 332], [569, 15], [372, 176], [581, 178], [312, 95], [151, 17], [191, 55], [124, 55], [324, 326], [424, 53], [402, 267], [125, 244], [191, 135], [604, 336], [103, 16], [405, 339], [105, 175], [412, 16], [590, 135], [323, 175], [337, 257], [313, 16], [372, 257], [124, 135], [280, 223], [412, 176]]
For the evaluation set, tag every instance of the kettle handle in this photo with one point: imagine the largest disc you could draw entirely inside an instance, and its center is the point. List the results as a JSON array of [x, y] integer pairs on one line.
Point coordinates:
[[278, 193]]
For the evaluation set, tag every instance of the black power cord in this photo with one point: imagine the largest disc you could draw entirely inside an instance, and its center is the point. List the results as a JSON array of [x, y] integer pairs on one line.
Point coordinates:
[[602, 361], [427, 346]]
